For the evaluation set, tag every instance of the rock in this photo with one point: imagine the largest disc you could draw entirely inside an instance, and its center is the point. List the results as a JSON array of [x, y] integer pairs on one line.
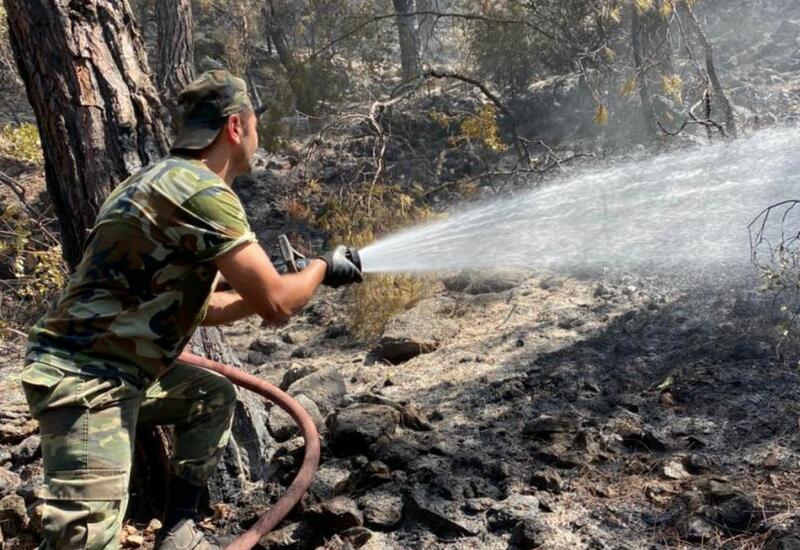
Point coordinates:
[[558, 456], [485, 282], [13, 515], [356, 536], [396, 452], [325, 387], [645, 440], [30, 489], [414, 419], [283, 427], [544, 426], [26, 451], [294, 373], [696, 529], [292, 536], [328, 481], [16, 426], [336, 514], [9, 481], [514, 509], [675, 470], [783, 543], [354, 429], [262, 348], [547, 480], [416, 331], [336, 543], [737, 515], [529, 534], [382, 509], [443, 517], [478, 505]]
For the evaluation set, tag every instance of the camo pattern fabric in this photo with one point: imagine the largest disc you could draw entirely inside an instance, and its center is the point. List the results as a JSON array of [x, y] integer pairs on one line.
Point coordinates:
[[87, 427], [143, 284]]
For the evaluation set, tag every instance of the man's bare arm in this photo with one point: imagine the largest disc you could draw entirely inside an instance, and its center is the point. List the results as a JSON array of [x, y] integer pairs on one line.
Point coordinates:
[[260, 289]]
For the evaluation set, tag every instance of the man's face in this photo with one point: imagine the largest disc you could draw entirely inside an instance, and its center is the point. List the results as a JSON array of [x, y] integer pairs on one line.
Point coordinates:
[[246, 148]]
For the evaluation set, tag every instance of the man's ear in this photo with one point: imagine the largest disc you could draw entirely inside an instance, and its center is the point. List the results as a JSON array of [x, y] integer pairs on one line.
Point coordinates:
[[234, 128]]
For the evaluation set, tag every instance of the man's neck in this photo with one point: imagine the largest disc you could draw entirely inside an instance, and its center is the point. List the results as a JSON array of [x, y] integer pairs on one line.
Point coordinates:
[[219, 162]]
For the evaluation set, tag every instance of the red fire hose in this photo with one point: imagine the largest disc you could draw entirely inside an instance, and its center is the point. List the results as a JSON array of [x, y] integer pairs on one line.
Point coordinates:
[[304, 477]]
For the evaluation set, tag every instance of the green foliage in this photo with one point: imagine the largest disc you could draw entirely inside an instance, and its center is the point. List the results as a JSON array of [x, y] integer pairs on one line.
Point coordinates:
[[21, 142]]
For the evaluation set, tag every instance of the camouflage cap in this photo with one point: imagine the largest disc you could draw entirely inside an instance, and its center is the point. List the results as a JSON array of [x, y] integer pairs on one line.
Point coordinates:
[[205, 104]]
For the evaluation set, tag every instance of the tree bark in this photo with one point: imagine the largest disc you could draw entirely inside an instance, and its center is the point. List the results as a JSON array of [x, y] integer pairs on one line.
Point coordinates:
[[175, 49], [711, 70], [277, 37], [99, 117], [408, 37], [426, 27]]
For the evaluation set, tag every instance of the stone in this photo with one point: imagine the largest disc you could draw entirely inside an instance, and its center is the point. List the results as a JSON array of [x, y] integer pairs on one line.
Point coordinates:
[[528, 534], [382, 509], [547, 480], [325, 387], [737, 515], [419, 330], [674, 469], [29, 490], [294, 373], [16, 426], [544, 426], [443, 517], [398, 452], [328, 481], [696, 529], [282, 426], [336, 514], [291, 536], [485, 282], [354, 429], [26, 451], [414, 418], [356, 536], [9, 481], [514, 509], [644, 440], [13, 515], [783, 543]]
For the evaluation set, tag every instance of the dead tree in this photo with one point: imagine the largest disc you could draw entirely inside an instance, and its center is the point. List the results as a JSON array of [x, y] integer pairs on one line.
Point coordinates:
[[408, 38], [711, 70], [175, 48]]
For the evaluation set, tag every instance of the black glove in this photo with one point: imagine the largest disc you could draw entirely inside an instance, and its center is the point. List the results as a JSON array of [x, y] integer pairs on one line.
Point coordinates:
[[343, 268]]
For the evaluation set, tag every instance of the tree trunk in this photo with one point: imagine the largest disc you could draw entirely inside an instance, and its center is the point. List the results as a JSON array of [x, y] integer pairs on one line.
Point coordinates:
[[86, 76], [99, 118], [711, 70], [427, 23], [277, 37], [409, 39], [175, 49], [652, 59]]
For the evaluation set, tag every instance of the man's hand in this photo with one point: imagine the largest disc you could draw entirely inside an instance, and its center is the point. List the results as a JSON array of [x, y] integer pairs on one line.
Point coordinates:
[[274, 297], [340, 268]]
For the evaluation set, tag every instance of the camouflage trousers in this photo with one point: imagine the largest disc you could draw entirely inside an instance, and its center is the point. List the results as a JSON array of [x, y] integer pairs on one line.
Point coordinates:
[[87, 426]]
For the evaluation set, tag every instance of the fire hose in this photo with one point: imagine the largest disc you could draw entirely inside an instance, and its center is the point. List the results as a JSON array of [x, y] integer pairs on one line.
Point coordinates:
[[292, 262], [305, 475]]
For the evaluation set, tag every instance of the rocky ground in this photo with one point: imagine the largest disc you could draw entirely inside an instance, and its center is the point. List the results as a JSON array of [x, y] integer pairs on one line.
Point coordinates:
[[514, 410]]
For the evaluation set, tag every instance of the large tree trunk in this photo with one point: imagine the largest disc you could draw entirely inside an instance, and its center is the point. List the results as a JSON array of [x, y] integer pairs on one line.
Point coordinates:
[[99, 117], [409, 39], [86, 75], [175, 49], [277, 37]]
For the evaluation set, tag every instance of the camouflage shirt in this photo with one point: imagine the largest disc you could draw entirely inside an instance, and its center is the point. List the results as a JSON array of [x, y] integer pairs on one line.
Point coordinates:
[[146, 276]]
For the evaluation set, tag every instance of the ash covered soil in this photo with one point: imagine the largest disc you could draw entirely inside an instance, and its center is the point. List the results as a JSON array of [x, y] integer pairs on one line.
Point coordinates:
[[545, 412]]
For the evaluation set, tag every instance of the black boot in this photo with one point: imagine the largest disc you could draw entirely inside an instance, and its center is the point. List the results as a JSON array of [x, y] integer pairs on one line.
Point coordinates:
[[182, 501]]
